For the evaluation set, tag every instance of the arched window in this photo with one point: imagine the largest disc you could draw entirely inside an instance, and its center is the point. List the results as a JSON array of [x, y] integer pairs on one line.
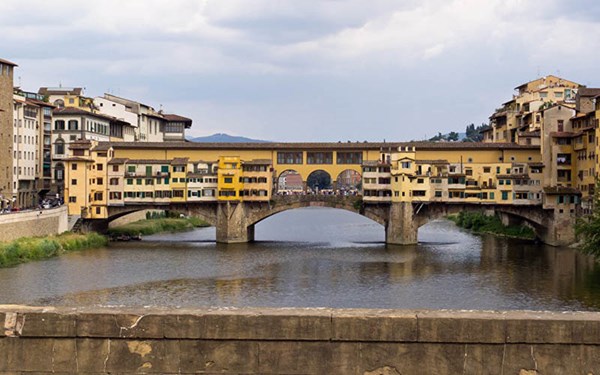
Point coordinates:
[[59, 172], [59, 147], [59, 125], [59, 103], [73, 125]]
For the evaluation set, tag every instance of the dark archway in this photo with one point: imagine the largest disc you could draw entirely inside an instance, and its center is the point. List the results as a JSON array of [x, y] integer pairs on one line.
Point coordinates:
[[318, 181]]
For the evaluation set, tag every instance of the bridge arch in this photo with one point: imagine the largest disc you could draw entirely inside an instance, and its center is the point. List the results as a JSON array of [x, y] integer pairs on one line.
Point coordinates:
[[352, 204], [349, 180], [290, 181], [319, 180]]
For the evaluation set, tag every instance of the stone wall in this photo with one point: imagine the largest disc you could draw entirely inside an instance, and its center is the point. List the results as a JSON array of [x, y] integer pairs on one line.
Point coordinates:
[[132, 217], [297, 341], [33, 223]]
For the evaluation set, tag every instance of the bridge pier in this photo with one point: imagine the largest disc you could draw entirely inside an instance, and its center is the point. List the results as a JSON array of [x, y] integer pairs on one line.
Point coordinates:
[[232, 223], [401, 227]]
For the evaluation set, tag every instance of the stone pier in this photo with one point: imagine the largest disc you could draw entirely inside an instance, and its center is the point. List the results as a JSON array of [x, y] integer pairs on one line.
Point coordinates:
[[402, 226], [297, 341]]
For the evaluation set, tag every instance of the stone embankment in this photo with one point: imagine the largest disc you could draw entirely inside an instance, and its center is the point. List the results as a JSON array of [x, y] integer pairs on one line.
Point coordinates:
[[33, 223], [297, 341]]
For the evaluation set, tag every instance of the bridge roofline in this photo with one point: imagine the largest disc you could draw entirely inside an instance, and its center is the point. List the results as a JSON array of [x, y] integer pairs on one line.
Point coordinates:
[[320, 145]]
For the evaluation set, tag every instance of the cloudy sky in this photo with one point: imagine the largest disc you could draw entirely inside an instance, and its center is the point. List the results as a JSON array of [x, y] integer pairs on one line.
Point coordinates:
[[305, 70]]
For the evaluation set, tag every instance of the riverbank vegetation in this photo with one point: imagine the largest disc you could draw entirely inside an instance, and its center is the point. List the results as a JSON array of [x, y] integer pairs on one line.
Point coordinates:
[[587, 228], [480, 223], [35, 248], [157, 223]]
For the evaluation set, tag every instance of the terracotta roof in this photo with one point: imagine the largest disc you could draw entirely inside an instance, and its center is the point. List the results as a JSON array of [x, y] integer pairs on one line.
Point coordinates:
[[77, 158], [536, 133], [323, 145], [6, 62], [148, 161], [40, 103], [80, 145], [60, 90], [585, 91], [179, 161], [102, 147], [118, 161], [77, 111], [432, 161], [174, 117], [561, 190], [563, 134]]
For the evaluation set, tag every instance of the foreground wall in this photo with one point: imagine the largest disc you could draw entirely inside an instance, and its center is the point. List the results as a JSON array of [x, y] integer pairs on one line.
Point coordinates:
[[33, 223], [297, 341]]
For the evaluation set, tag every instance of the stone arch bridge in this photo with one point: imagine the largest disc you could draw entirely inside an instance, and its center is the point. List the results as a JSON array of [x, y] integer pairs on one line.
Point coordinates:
[[235, 221]]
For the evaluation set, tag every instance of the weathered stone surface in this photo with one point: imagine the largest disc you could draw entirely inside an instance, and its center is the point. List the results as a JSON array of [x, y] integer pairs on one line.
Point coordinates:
[[531, 327], [461, 327], [92, 355], [38, 324], [226, 357], [148, 356], [374, 325], [284, 324], [294, 357], [298, 341], [483, 359]]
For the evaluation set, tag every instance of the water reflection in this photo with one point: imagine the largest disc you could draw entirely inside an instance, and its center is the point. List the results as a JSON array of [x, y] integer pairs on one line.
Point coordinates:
[[315, 257]]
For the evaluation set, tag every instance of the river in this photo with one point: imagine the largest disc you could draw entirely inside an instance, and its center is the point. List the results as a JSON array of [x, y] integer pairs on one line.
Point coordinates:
[[314, 257]]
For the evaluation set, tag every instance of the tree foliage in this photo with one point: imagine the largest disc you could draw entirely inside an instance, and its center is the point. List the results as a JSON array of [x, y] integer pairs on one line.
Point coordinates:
[[588, 228]]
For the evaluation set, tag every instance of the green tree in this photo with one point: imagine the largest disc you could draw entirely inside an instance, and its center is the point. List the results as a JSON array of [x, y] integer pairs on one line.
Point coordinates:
[[453, 136], [588, 228]]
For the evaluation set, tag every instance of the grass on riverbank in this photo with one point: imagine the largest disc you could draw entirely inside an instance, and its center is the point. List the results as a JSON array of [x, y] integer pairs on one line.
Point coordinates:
[[35, 248], [480, 223], [152, 226]]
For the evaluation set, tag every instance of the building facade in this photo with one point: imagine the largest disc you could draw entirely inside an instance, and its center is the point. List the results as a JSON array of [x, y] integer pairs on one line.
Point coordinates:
[[6, 132]]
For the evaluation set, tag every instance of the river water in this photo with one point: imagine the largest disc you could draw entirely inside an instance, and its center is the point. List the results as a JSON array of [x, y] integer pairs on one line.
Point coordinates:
[[314, 257]]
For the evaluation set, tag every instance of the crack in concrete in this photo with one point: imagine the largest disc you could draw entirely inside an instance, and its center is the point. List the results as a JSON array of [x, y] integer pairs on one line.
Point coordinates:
[[121, 328], [534, 360], [107, 355]]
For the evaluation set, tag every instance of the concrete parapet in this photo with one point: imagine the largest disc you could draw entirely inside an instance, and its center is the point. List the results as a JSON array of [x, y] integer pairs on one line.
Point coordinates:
[[33, 223], [297, 341]]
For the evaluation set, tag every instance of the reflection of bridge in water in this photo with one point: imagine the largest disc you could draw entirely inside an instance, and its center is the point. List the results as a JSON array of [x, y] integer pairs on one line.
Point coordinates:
[[235, 221]]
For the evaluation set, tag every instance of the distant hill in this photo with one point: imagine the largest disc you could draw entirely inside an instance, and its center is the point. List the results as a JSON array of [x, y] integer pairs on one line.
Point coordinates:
[[225, 138]]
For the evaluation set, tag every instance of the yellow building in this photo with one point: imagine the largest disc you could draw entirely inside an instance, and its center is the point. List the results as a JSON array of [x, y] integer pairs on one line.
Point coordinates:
[[107, 174]]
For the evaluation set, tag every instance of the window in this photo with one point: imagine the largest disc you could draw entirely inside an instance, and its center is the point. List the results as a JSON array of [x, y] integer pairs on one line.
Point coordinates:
[[59, 147], [319, 157], [99, 167], [292, 157], [100, 181], [228, 180], [505, 195], [486, 169], [349, 157], [73, 125], [131, 168], [59, 125], [130, 181], [73, 182], [72, 199], [115, 168], [114, 181], [98, 196], [561, 125], [405, 164], [115, 195], [74, 167]]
